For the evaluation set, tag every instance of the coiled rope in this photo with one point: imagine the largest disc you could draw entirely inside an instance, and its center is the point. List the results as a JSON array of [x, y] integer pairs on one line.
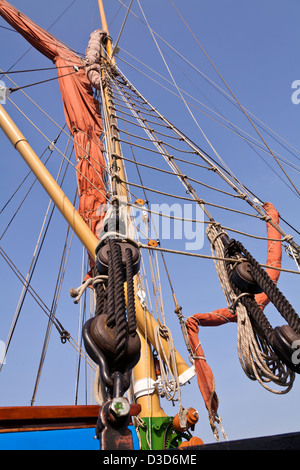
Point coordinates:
[[258, 360]]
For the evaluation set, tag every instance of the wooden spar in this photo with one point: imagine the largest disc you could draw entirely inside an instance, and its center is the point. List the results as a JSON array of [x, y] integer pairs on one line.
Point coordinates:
[[86, 236], [115, 150], [55, 192]]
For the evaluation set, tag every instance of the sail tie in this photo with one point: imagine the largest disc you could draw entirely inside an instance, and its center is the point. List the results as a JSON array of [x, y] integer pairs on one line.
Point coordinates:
[[93, 55]]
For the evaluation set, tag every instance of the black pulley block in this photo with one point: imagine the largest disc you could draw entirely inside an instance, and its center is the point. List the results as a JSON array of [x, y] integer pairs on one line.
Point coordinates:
[[243, 279], [105, 339], [102, 255], [285, 343]]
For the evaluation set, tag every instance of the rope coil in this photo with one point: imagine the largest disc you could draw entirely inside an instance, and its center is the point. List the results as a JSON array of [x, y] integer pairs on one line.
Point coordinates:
[[258, 360]]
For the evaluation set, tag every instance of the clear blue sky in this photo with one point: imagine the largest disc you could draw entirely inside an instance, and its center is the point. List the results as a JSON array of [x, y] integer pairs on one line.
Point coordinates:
[[255, 47]]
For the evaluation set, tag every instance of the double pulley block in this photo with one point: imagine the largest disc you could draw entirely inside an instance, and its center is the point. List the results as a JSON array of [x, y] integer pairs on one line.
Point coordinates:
[[115, 227], [246, 278], [241, 274]]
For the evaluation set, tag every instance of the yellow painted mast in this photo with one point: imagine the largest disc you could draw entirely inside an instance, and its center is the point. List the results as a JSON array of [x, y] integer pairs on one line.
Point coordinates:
[[144, 372]]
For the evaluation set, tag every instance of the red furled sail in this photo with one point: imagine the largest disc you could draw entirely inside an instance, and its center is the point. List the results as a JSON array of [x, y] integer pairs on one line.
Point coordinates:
[[81, 112]]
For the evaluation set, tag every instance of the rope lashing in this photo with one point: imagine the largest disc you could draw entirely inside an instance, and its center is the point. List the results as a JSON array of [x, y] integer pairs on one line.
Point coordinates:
[[94, 281], [131, 318], [120, 308]]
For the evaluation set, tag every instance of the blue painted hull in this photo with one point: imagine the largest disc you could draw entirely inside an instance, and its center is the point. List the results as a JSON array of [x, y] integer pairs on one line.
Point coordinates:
[[59, 439]]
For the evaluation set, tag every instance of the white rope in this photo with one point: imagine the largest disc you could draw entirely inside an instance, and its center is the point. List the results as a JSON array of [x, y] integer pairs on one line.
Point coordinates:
[[78, 292], [256, 357], [168, 367]]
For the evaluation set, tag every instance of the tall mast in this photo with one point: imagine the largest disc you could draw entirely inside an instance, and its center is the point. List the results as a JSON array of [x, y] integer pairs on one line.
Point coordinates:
[[144, 372], [154, 417]]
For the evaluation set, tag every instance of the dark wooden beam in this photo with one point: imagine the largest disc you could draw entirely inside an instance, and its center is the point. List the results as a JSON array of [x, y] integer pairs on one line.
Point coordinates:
[[25, 418]]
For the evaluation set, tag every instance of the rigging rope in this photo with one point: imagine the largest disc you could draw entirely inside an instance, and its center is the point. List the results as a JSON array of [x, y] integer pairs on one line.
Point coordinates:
[[61, 330], [56, 295], [251, 202], [41, 69], [34, 260], [250, 140], [285, 237], [228, 96], [256, 357], [237, 101], [48, 29], [44, 81], [198, 255], [215, 85], [115, 49]]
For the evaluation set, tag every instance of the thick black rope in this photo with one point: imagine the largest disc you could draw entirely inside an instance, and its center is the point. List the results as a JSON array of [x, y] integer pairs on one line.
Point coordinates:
[[257, 316], [132, 326], [100, 294], [120, 307], [111, 300], [271, 290], [110, 293], [262, 278]]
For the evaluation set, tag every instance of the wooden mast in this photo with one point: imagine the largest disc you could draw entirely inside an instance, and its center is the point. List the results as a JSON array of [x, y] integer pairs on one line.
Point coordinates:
[[144, 371]]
